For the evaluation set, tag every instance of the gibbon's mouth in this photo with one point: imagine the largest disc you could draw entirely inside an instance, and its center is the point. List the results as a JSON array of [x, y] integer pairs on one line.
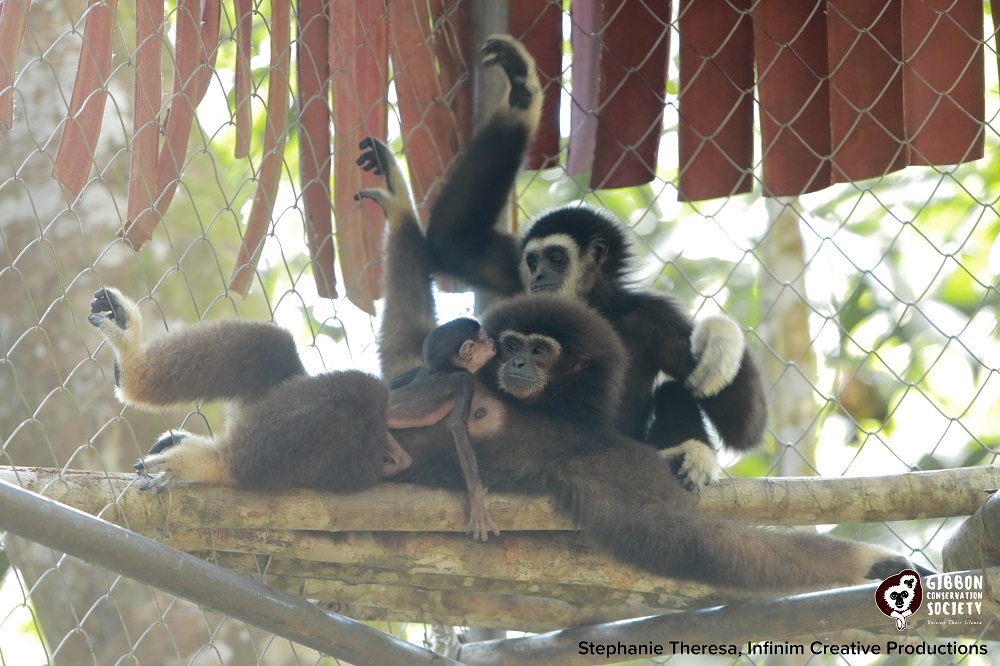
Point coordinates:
[[536, 288], [519, 386]]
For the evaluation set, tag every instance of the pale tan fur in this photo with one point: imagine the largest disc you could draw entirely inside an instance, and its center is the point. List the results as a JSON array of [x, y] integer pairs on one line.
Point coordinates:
[[195, 460]]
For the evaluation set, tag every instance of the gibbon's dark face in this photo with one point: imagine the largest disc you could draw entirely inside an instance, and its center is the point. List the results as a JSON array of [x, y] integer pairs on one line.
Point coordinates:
[[548, 264], [526, 363]]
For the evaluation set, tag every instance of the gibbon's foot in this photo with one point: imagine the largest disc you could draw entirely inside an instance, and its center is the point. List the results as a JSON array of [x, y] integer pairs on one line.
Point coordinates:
[[518, 65], [166, 440], [395, 198], [480, 523], [694, 462], [717, 344], [191, 458], [107, 307], [395, 459]]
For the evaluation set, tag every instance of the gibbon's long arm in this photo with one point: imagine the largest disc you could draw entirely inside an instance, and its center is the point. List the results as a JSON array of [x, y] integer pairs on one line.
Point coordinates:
[[461, 235], [408, 310]]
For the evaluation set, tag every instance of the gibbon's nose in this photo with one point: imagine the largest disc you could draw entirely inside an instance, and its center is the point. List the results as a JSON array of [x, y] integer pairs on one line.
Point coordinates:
[[517, 362]]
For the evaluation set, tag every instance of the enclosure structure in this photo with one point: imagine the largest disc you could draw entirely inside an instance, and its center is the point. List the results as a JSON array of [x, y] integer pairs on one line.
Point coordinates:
[[871, 305]]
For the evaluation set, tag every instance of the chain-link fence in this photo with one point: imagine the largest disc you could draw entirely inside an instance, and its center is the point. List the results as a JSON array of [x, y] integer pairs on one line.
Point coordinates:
[[871, 304]]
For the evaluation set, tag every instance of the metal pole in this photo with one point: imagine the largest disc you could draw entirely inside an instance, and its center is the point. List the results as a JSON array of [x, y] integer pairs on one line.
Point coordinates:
[[99, 542]]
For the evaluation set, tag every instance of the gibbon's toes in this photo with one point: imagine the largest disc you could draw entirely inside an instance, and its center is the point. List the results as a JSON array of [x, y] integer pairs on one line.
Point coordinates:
[[506, 52], [480, 522], [106, 306], [139, 467], [159, 483], [694, 463], [165, 441]]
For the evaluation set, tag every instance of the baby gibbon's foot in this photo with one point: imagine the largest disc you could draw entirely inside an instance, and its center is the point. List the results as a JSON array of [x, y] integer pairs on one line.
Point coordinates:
[[506, 52], [717, 344], [693, 462], [395, 198], [480, 523]]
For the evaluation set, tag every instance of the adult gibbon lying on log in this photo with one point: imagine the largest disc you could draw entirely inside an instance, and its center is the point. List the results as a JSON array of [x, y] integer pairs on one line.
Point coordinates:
[[535, 426], [581, 252]]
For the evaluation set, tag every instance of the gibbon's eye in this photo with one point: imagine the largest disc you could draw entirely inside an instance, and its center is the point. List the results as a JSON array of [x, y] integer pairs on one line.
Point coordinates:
[[511, 346], [558, 258], [532, 261], [538, 351]]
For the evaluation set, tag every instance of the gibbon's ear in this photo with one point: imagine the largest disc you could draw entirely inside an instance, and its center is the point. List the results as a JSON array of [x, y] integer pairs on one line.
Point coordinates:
[[599, 250], [582, 364], [465, 351]]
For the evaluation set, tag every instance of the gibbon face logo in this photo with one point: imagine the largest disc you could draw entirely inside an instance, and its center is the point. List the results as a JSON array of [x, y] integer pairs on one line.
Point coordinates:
[[899, 596]]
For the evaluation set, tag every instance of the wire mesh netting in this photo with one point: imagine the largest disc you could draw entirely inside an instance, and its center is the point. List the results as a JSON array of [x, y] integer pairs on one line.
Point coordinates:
[[871, 304]]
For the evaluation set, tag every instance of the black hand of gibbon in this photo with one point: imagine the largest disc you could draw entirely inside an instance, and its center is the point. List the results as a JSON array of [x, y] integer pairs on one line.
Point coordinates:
[[503, 52]]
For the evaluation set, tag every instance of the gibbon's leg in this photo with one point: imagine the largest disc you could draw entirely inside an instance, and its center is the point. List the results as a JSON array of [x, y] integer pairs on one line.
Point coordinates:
[[651, 525], [223, 360], [408, 311], [461, 234], [326, 432], [679, 431]]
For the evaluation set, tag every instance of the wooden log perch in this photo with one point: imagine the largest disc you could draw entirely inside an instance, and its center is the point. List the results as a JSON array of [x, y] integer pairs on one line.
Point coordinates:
[[976, 543], [402, 507]]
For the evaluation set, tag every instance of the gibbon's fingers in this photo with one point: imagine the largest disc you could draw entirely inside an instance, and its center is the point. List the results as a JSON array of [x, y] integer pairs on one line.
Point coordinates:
[[693, 462], [372, 157], [506, 52], [717, 343]]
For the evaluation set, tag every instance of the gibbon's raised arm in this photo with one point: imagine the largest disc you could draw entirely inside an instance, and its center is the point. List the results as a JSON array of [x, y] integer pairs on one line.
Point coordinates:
[[408, 313], [462, 235]]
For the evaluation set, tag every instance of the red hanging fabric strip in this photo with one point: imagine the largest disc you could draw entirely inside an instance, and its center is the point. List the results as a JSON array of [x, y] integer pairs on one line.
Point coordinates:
[[13, 19], [866, 88], [943, 80], [313, 66], [632, 86], [715, 131], [82, 127], [793, 89], [141, 217], [428, 125], [538, 25], [262, 206], [359, 62]]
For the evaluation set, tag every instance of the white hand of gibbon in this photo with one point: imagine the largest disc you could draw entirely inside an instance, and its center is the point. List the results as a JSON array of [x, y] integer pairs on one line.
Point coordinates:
[[717, 344]]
